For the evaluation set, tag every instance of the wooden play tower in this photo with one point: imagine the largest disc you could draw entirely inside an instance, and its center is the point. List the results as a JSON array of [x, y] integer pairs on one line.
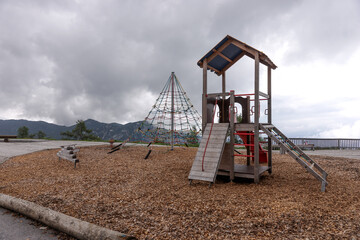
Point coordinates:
[[216, 153]]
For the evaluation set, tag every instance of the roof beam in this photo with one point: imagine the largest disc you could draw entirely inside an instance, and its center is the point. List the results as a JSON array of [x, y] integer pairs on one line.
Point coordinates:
[[244, 47], [266, 61], [214, 69], [222, 55], [212, 56], [234, 61]]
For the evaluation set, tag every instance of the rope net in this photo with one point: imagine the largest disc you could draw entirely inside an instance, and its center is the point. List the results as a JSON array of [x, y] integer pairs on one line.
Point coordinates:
[[173, 116]]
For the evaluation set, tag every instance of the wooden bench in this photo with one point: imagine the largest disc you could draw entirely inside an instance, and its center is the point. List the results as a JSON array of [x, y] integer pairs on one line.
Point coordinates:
[[6, 137], [69, 153]]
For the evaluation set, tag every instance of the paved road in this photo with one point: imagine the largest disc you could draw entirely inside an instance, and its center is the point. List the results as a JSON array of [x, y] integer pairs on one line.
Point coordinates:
[[20, 147], [17, 227], [345, 153], [20, 228]]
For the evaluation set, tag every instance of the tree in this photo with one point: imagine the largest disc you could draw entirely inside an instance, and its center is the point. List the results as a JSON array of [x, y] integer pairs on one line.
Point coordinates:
[[192, 136], [41, 135], [80, 132], [23, 132], [238, 118]]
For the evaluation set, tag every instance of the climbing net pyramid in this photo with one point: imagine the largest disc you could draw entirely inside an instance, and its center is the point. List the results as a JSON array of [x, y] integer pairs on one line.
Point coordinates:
[[173, 118]]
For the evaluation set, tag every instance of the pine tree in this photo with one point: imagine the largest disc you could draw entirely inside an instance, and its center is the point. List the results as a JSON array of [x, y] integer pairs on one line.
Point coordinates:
[[80, 132]]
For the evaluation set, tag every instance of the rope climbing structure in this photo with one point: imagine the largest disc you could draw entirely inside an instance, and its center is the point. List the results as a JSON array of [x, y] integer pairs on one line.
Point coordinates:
[[173, 119]]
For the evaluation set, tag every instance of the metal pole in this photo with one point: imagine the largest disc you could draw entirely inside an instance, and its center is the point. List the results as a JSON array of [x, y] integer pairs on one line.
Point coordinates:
[[172, 111]]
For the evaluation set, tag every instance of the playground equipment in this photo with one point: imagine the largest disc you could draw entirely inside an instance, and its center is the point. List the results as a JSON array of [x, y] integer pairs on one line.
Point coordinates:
[[69, 153], [173, 118], [215, 156]]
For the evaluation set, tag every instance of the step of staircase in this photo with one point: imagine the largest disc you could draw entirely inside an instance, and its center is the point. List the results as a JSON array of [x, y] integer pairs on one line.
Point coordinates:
[[296, 153]]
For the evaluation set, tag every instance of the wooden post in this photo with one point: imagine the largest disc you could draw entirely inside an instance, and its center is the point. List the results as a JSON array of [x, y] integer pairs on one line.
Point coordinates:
[[223, 97], [59, 221], [172, 111], [256, 121], [204, 98], [248, 152], [269, 119], [232, 138]]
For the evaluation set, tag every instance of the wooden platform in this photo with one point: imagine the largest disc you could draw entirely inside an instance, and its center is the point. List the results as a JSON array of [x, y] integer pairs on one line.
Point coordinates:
[[244, 171]]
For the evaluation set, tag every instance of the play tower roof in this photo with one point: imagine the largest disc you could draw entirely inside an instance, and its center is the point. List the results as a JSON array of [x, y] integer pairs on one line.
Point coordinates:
[[228, 51]]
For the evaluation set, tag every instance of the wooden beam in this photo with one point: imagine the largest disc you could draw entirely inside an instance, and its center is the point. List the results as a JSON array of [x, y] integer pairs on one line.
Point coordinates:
[[244, 127], [227, 43], [269, 107], [214, 69], [263, 94], [211, 68], [256, 120], [232, 137], [248, 149], [204, 98], [223, 98], [222, 55], [215, 95], [244, 47], [223, 83], [74, 227], [269, 95], [234, 61], [266, 61]]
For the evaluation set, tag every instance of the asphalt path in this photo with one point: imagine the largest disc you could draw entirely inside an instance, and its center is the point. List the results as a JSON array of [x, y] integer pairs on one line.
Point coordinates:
[[344, 153], [14, 226], [17, 147]]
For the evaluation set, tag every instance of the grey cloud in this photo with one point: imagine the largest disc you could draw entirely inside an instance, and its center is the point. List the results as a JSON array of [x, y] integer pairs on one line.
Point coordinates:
[[66, 60]]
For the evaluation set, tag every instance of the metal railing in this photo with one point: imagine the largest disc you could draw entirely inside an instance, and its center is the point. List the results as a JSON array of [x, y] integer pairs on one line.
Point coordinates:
[[337, 143]]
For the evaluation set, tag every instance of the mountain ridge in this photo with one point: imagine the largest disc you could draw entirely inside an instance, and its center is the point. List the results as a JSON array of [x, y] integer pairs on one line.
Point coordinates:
[[104, 131]]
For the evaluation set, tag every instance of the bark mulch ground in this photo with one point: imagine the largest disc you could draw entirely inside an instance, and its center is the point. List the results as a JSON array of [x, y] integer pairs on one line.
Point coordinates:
[[152, 199]]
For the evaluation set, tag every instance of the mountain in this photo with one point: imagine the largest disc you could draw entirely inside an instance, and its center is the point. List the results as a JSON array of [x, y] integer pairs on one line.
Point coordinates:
[[113, 130], [10, 127], [105, 131]]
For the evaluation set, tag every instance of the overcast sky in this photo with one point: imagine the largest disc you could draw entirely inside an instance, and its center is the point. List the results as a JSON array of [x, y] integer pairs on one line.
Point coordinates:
[[108, 60]]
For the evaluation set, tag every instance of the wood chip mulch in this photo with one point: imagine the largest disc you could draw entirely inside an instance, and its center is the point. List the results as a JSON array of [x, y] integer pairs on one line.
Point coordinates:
[[152, 199]]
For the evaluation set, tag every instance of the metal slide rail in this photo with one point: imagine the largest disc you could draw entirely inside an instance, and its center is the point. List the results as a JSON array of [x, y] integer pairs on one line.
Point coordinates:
[[295, 152]]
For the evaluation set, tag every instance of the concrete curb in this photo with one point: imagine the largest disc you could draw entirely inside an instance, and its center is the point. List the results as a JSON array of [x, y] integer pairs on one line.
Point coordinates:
[[64, 223]]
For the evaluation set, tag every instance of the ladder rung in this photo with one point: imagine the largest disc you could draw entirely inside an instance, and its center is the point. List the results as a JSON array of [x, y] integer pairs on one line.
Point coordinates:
[[243, 155], [296, 153], [244, 134], [242, 144]]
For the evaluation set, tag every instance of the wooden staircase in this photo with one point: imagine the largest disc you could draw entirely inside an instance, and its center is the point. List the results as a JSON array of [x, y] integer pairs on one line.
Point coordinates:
[[295, 152], [207, 160]]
